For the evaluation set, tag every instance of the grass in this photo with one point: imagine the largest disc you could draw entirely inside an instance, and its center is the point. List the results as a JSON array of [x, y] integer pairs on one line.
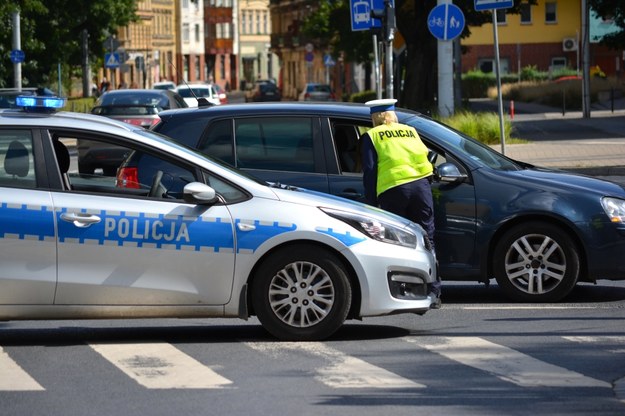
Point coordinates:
[[482, 126]]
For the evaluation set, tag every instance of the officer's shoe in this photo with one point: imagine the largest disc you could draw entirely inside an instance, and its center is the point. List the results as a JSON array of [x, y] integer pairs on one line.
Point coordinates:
[[436, 301]]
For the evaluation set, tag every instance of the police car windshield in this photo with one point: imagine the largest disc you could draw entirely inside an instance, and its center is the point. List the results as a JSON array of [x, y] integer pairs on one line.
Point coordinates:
[[152, 135]]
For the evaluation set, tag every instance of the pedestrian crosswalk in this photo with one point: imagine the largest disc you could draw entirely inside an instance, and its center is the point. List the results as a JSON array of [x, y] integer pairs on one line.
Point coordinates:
[[159, 365]]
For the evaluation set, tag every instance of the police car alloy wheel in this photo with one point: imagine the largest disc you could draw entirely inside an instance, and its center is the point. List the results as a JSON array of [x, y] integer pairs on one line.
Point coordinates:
[[301, 293]]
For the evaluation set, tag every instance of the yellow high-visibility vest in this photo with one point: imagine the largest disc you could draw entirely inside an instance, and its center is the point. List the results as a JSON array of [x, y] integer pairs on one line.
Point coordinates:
[[402, 156]]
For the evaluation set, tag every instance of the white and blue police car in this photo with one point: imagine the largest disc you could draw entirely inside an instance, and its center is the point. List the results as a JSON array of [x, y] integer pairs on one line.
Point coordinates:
[[195, 238]]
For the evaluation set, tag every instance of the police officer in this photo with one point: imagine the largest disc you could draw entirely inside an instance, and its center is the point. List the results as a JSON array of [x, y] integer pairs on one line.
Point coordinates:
[[396, 171]]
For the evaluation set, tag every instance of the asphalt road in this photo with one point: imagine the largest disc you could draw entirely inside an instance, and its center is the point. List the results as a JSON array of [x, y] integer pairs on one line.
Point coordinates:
[[478, 355]]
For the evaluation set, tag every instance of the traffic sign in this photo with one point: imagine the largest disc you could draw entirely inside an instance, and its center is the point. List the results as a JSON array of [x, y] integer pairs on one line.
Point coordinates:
[[481, 5], [446, 21], [360, 12], [17, 56], [111, 60], [328, 61]]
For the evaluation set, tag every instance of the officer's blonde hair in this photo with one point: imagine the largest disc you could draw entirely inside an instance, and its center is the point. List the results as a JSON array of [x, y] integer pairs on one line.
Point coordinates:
[[383, 117]]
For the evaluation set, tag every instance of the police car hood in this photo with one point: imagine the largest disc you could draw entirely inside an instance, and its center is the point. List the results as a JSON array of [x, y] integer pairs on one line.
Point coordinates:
[[308, 197]]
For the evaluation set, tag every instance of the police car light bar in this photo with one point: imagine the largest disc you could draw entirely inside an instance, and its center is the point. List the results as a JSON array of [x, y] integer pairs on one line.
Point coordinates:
[[39, 103]]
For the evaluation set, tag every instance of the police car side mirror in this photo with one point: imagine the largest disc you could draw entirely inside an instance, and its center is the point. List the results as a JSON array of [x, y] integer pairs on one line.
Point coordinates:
[[199, 193], [448, 172]]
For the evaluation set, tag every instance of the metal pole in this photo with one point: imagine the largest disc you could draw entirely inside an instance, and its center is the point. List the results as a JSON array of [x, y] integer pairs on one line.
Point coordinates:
[[376, 65], [389, 69], [585, 61], [500, 101], [17, 67]]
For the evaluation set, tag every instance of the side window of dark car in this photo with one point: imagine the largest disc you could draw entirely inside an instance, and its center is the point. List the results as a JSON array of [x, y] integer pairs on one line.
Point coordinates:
[[16, 159], [278, 143], [218, 141]]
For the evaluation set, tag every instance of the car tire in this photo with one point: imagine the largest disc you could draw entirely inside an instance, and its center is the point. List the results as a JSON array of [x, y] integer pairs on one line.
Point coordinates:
[[536, 262], [301, 293]]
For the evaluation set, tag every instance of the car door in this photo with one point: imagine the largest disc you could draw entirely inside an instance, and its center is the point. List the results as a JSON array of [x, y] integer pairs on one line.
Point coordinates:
[[119, 246], [282, 149], [27, 232]]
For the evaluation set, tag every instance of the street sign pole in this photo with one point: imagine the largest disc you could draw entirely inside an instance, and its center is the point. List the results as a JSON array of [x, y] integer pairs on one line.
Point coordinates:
[[497, 73], [376, 65], [17, 66]]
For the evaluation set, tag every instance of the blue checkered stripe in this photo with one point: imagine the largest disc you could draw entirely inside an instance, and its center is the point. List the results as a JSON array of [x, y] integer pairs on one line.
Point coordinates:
[[26, 222], [346, 238]]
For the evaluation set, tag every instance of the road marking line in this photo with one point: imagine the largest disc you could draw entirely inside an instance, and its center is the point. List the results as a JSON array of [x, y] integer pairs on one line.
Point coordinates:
[[506, 363], [161, 366], [343, 371], [13, 377]]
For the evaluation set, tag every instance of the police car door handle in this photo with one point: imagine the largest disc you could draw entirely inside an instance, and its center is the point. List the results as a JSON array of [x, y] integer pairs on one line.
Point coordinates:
[[79, 219]]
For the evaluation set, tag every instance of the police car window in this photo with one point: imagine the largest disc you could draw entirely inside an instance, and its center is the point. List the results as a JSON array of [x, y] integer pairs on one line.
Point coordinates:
[[16, 156], [97, 166], [279, 143]]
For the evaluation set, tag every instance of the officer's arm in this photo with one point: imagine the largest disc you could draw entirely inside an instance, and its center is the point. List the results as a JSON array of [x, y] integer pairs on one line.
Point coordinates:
[[369, 169]]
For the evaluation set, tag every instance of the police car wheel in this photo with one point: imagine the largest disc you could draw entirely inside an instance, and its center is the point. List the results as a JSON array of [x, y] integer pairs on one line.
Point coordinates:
[[536, 262], [301, 293]]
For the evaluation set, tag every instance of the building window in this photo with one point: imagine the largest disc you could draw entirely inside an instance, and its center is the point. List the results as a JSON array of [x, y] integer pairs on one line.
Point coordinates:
[[526, 13], [244, 22], [558, 63], [265, 23], [185, 4], [550, 12], [501, 17], [487, 65], [185, 32], [197, 33]]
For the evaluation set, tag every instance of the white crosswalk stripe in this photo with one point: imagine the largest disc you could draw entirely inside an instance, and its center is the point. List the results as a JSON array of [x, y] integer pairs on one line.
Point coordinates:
[[161, 366], [13, 377], [342, 370], [505, 363]]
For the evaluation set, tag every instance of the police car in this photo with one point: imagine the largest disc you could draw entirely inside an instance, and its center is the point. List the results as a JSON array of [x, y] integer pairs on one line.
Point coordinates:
[[196, 239]]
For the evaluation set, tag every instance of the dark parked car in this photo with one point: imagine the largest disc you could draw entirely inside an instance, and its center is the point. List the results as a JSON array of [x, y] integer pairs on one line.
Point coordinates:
[[134, 106], [536, 231], [263, 90]]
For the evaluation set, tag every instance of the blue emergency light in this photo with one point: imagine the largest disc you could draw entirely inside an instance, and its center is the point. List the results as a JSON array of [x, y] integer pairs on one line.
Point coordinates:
[[39, 103]]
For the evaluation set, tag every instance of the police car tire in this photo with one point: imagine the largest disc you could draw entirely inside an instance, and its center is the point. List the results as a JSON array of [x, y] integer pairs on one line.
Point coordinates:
[[517, 261], [270, 287]]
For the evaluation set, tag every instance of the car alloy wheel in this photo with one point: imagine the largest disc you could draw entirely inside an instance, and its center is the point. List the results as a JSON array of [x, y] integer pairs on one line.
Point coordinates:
[[301, 293], [536, 262]]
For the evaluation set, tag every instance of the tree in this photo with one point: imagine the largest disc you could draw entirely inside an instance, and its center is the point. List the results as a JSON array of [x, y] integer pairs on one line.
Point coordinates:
[[51, 34], [420, 82], [614, 10]]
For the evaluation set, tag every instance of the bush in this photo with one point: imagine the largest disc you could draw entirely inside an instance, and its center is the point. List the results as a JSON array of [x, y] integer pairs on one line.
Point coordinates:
[[481, 126], [363, 96]]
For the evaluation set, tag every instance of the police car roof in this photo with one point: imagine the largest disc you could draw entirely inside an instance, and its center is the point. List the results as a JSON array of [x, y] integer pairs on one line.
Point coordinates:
[[61, 119]]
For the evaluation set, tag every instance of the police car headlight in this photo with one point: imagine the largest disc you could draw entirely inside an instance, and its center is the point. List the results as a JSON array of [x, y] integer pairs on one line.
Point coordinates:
[[376, 229], [615, 208]]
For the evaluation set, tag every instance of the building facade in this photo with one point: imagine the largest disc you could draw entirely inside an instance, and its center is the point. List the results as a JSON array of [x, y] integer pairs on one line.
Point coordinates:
[[256, 58], [547, 36], [221, 62]]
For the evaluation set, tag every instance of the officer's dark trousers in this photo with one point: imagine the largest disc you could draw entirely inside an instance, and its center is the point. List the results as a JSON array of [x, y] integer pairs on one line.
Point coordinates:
[[413, 200]]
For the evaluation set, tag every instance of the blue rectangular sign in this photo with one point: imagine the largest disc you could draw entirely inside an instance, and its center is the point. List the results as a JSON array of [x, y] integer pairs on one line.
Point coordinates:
[[493, 4]]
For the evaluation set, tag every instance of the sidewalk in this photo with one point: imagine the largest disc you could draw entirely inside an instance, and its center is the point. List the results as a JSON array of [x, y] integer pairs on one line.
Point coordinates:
[[595, 145]]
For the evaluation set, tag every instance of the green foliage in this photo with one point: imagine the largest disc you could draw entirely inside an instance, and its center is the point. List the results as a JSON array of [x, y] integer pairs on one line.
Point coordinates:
[[481, 126], [51, 34], [363, 96]]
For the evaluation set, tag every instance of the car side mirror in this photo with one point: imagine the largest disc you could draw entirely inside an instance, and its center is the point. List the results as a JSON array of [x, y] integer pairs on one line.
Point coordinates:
[[199, 193], [448, 172]]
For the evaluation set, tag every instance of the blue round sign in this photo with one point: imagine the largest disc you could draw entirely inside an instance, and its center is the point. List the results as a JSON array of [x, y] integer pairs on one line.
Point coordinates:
[[446, 21], [17, 56]]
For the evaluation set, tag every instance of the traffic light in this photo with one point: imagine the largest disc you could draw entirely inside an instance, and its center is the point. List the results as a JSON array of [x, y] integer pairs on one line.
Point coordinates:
[[387, 18]]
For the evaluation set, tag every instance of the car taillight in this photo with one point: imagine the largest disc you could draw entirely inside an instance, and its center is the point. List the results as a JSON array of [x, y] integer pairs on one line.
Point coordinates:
[[127, 178], [332, 96], [146, 122], [306, 96]]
